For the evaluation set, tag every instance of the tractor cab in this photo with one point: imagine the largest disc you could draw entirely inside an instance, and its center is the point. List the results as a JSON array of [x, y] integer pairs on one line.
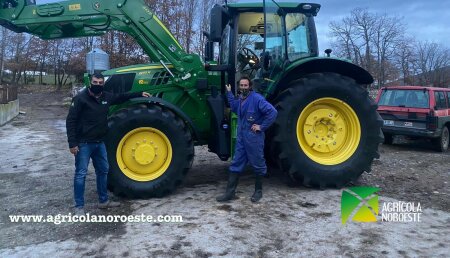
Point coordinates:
[[261, 39]]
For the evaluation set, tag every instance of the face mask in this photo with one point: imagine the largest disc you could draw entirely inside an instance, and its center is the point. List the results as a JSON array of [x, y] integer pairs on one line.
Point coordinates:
[[96, 89], [244, 93]]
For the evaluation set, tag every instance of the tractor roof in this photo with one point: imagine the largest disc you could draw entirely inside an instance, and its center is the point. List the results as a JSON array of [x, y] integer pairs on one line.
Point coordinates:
[[288, 6]]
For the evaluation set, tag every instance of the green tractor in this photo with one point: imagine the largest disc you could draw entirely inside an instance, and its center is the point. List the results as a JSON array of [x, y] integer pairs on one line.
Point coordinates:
[[327, 131]]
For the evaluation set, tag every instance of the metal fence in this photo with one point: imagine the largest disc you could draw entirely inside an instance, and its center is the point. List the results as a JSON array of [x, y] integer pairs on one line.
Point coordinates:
[[7, 94]]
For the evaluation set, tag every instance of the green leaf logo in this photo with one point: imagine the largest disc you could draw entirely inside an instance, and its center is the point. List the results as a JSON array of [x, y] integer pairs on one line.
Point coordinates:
[[359, 204]]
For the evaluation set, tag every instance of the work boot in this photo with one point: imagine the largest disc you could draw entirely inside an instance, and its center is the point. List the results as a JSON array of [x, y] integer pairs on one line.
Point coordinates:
[[108, 204], [230, 192], [257, 195]]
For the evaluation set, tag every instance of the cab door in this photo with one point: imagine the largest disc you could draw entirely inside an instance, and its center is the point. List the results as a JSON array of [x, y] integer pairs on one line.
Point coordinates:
[[274, 39]]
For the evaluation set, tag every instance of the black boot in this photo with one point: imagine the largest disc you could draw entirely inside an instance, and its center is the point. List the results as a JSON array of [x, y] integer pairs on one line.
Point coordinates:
[[257, 195], [231, 188]]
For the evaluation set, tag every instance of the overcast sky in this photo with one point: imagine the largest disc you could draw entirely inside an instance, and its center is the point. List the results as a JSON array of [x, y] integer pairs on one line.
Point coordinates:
[[424, 19]]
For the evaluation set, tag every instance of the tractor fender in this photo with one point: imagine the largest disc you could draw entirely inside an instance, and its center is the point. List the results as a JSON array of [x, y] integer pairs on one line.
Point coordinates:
[[158, 101], [322, 65]]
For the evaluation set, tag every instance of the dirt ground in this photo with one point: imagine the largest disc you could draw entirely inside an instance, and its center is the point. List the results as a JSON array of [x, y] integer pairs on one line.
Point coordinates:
[[36, 173]]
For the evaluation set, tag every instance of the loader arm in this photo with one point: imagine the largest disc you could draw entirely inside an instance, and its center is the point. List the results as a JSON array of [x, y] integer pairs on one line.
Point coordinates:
[[67, 19]]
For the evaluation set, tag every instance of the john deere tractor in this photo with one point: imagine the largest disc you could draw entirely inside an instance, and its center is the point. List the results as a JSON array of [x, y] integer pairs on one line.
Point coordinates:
[[327, 131]]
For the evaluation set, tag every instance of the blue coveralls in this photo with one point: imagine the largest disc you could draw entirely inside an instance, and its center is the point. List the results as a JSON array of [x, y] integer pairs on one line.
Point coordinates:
[[250, 145]]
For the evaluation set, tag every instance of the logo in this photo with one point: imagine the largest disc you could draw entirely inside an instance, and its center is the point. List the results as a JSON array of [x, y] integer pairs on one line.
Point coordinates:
[[359, 204], [75, 7], [400, 211]]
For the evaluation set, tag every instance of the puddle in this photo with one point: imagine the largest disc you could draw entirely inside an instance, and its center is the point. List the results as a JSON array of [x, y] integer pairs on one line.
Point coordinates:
[[60, 125]]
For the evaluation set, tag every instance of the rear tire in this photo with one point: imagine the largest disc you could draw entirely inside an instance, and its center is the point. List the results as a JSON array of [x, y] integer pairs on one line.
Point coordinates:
[[150, 150], [335, 158], [443, 141]]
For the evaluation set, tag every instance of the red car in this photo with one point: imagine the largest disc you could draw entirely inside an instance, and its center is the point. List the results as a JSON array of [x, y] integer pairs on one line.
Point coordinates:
[[415, 111]]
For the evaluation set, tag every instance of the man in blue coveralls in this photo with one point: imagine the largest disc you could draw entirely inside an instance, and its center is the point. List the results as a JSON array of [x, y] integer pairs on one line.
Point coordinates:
[[255, 115]]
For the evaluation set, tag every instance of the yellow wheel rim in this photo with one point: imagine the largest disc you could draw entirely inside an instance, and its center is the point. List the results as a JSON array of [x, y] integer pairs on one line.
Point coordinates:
[[328, 131], [144, 154]]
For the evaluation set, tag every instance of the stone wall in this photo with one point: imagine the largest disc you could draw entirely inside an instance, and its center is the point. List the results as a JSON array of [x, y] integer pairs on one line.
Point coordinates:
[[8, 111]]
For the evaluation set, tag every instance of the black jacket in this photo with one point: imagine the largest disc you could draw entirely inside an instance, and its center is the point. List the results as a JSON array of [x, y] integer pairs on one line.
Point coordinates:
[[87, 120]]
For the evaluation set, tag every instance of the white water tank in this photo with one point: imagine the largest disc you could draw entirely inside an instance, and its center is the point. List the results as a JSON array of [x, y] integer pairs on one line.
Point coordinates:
[[97, 61]]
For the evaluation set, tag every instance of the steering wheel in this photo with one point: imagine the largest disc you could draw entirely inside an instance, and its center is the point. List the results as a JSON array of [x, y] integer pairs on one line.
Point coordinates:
[[247, 57]]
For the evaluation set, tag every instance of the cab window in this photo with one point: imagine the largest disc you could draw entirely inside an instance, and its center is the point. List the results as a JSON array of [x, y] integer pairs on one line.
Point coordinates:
[[439, 97], [297, 36], [448, 98]]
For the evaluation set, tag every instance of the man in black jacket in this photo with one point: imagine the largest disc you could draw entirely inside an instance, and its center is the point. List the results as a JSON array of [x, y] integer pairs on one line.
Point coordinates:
[[86, 126]]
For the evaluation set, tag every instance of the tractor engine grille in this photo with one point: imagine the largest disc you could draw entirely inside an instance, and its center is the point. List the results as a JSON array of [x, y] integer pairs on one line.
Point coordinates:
[[160, 78]]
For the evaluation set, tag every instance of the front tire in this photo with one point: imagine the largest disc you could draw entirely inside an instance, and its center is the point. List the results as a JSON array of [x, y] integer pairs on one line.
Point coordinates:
[[327, 131], [150, 150]]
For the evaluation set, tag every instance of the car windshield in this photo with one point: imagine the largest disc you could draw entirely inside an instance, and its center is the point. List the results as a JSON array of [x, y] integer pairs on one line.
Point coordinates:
[[404, 98]]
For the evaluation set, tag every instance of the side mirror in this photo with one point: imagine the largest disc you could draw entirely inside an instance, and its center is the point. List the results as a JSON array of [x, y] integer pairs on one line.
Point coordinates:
[[219, 18]]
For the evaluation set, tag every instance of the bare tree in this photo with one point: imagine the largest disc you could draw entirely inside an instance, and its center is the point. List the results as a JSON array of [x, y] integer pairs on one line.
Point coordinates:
[[62, 52], [201, 24], [4, 39], [345, 40], [431, 59], [365, 23], [19, 58], [353, 36], [185, 19], [122, 49], [369, 40], [387, 37], [190, 7], [404, 59]]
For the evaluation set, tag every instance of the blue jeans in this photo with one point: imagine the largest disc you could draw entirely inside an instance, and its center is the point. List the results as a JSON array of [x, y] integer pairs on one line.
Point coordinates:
[[96, 152]]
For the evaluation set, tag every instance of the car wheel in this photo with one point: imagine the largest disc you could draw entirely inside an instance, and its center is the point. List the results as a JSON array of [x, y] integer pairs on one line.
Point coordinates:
[[442, 141]]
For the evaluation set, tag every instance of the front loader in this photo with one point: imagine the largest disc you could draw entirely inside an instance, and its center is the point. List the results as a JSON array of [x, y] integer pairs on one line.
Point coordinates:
[[327, 131]]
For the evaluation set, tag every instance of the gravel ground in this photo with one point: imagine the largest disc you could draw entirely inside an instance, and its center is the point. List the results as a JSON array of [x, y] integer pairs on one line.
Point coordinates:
[[36, 171]]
